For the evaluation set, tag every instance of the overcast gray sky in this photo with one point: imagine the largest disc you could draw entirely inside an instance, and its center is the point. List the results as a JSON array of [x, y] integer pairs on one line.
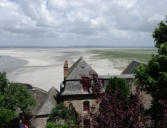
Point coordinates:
[[80, 22]]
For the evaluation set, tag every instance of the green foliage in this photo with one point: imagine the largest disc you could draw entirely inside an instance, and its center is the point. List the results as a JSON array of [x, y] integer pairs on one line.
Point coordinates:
[[3, 82], [66, 114], [116, 84], [153, 80], [60, 112], [6, 116], [65, 125], [160, 34], [17, 96], [51, 125], [153, 77], [60, 126], [13, 97], [1, 100]]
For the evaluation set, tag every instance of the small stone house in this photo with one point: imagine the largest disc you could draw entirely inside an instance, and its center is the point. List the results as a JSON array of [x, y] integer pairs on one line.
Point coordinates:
[[45, 102], [72, 90], [129, 70]]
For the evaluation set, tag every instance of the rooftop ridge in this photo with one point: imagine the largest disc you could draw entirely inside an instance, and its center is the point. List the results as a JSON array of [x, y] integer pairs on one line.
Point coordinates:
[[36, 88], [74, 65], [131, 67], [78, 69]]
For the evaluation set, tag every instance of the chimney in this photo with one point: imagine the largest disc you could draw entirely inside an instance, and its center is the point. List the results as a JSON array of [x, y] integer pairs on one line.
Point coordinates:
[[65, 69]]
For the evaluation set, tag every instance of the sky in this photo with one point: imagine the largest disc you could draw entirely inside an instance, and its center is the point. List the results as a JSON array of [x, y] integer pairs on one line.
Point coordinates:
[[80, 22]]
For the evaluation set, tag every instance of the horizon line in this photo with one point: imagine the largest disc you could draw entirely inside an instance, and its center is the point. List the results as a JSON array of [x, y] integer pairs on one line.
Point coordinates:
[[72, 46]]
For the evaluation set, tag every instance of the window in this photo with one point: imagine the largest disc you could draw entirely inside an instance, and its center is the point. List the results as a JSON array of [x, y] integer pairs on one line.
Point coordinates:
[[85, 88], [86, 123], [86, 105], [86, 83]]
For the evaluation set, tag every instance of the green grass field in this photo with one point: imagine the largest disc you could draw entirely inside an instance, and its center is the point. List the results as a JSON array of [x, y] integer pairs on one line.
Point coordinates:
[[142, 55]]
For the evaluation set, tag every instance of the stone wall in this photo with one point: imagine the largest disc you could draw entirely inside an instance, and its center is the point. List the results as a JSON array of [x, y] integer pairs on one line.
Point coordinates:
[[78, 104], [39, 122], [79, 107]]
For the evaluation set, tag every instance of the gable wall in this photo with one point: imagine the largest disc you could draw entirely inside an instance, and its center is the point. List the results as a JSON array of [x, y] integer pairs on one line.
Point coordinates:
[[78, 101]]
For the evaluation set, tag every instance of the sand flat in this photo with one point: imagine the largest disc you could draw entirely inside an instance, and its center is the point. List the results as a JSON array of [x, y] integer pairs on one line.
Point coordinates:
[[44, 67]]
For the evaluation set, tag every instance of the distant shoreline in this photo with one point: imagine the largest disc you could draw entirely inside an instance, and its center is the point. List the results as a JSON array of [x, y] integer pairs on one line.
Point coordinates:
[[91, 46]]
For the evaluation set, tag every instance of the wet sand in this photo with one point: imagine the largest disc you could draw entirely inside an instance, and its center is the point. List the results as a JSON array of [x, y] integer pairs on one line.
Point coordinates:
[[43, 67]]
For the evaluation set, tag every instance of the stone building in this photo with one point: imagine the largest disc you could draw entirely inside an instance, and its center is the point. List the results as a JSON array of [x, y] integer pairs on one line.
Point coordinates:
[[82, 98], [129, 70], [45, 102]]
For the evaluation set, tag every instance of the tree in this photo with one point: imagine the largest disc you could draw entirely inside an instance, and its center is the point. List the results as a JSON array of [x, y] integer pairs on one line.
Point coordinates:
[[112, 106], [6, 116], [13, 97], [18, 97], [136, 110], [67, 115], [116, 84], [118, 107], [153, 76], [3, 82], [160, 34]]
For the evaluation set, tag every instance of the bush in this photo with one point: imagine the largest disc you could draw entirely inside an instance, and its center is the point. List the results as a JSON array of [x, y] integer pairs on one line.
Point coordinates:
[[6, 116], [68, 115], [13, 96], [50, 125]]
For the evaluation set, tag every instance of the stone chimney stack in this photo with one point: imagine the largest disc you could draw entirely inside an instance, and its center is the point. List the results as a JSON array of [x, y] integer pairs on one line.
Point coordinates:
[[65, 69]]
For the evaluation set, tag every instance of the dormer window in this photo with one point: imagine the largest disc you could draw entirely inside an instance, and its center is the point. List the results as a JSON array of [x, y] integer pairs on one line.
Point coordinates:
[[86, 83], [85, 88], [86, 106]]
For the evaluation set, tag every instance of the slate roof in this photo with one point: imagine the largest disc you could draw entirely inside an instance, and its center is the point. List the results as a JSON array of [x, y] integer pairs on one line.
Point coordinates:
[[124, 76], [48, 104], [72, 85], [78, 69], [45, 101], [74, 88], [40, 96], [131, 67], [72, 82]]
